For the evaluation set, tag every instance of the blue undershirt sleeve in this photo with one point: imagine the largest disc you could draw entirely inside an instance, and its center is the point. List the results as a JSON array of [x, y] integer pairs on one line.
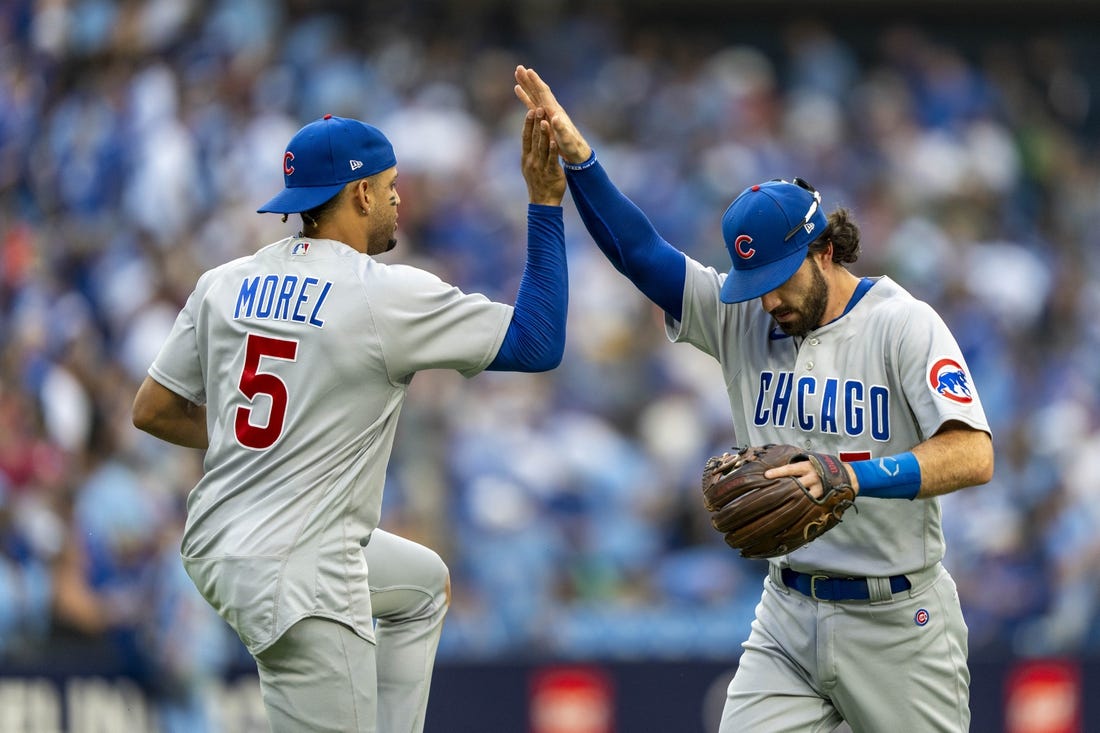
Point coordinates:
[[535, 339], [627, 237]]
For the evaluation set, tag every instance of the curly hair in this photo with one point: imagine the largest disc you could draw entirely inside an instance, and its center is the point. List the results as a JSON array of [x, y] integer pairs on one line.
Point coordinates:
[[843, 232]]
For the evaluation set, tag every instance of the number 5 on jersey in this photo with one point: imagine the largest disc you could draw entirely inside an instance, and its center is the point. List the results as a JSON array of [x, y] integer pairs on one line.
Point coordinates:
[[254, 382]]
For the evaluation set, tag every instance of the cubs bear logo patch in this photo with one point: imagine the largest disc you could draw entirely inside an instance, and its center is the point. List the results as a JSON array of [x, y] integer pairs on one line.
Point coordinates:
[[948, 379]]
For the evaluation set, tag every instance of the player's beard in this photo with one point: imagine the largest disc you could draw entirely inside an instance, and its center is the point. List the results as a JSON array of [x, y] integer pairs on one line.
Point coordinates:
[[812, 309], [380, 243], [391, 242]]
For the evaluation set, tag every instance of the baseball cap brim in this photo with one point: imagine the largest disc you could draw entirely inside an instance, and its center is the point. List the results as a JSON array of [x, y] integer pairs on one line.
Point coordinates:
[[301, 198], [742, 285]]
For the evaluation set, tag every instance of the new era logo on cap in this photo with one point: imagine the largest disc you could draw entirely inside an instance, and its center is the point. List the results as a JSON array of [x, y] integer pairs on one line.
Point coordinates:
[[355, 164], [768, 229]]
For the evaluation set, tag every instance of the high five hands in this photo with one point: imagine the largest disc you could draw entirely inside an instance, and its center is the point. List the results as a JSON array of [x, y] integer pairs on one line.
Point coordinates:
[[539, 161], [536, 94]]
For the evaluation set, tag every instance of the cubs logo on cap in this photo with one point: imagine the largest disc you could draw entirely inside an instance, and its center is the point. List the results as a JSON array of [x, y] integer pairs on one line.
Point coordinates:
[[768, 229], [324, 156]]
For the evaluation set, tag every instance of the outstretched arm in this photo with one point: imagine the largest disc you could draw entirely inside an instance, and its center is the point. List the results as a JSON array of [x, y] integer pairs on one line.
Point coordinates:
[[621, 230], [535, 339]]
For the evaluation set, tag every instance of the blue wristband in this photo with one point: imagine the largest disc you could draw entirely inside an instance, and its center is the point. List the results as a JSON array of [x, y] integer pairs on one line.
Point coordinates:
[[580, 166], [890, 477]]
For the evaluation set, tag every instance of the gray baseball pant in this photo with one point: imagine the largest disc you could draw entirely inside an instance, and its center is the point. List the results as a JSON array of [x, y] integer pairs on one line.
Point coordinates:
[[321, 676], [895, 663]]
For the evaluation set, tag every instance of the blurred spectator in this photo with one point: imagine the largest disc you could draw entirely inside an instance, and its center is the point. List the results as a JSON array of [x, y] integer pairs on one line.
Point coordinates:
[[567, 508]]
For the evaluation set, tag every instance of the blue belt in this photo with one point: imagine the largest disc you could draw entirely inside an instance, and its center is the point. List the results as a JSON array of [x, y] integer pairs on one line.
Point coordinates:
[[826, 588]]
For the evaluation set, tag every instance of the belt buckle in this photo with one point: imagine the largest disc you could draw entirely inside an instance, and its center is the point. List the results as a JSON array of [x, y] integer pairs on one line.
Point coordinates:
[[813, 586]]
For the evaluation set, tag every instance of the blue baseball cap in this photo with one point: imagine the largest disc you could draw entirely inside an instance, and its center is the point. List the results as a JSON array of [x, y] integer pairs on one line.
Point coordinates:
[[768, 229], [323, 157]]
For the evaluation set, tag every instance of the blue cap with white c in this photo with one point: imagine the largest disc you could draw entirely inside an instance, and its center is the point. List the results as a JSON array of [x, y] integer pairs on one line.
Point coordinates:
[[768, 229], [323, 157]]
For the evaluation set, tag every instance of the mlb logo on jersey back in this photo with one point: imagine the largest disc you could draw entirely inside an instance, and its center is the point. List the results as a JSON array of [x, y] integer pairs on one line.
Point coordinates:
[[948, 379], [300, 248]]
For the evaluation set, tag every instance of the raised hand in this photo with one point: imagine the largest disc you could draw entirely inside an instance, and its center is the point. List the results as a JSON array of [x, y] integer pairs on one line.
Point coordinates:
[[539, 161], [536, 94]]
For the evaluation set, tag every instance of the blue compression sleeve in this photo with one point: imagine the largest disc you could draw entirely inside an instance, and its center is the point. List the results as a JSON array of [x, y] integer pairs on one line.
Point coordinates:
[[535, 340], [626, 236], [892, 477]]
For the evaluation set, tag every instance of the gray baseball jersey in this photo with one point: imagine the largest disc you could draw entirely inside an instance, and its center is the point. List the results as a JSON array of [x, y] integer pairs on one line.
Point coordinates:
[[274, 526], [871, 384]]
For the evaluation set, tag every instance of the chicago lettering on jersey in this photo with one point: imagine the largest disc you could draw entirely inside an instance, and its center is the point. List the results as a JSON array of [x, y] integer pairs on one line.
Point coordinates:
[[282, 298], [828, 406]]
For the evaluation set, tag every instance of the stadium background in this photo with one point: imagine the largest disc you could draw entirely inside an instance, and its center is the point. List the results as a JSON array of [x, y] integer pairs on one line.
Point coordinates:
[[137, 138]]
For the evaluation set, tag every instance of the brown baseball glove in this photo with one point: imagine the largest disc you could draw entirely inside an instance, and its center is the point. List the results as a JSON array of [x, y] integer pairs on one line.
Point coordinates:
[[765, 517]]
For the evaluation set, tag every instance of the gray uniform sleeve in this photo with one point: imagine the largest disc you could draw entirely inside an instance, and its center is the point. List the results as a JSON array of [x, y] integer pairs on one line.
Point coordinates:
[[703, 320], [934, 374], [178, 366], [425, 323]]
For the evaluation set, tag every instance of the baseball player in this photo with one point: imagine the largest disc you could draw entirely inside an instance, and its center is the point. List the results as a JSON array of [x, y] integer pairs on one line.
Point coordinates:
[[290, 367], [863, 624]]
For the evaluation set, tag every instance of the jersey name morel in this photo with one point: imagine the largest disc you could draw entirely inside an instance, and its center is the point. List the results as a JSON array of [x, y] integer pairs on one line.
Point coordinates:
[[282, 298]]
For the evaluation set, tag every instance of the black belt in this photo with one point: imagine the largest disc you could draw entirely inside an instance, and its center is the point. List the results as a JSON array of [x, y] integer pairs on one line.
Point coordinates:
[[826, 588]]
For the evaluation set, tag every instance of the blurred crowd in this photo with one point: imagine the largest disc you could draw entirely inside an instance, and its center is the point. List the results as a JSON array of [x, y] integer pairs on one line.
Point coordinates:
[[137, 139]]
